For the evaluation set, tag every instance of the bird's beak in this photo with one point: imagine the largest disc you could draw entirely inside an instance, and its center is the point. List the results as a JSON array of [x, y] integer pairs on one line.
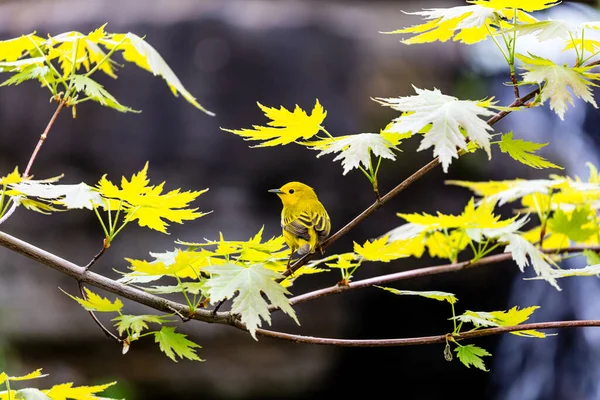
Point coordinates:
[[276, 191]]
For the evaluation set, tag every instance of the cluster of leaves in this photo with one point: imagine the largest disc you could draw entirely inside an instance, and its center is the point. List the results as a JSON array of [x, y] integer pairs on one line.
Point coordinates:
[[470, 355], [170, 342], [504, 21], [135, 200], [61, 391], [446, 123], [216, 270], [65, 63]]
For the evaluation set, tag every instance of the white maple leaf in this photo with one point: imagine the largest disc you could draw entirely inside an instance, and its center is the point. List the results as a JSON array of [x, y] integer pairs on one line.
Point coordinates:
[[249, 283], [446, 115], [405, 232], [71, 196], [553, 29], [590, 270], [558, 80], [510, 190], [474, 15], [521, 249], [477, 234], [356, 149]]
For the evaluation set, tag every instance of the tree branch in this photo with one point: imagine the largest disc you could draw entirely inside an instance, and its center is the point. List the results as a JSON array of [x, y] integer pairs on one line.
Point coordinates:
[[414, 273], [402, 186], [102, 282], [168, 306], [425, 339]]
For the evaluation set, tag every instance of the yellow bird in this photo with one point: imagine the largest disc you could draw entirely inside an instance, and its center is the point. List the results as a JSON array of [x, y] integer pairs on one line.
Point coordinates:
[[304, 220]]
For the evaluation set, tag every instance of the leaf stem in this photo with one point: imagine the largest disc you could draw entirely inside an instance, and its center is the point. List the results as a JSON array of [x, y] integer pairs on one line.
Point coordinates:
[[106, 57], [453, 318], [106, 234], [8, 388], [497, 44], [187, 299], [52, 67]]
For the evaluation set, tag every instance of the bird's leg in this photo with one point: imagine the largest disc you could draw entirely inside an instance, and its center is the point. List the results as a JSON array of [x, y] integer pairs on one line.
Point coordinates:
[[289, 271]]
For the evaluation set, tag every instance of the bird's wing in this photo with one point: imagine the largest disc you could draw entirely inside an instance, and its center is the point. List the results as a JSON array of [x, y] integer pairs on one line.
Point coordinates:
[[301, 225]]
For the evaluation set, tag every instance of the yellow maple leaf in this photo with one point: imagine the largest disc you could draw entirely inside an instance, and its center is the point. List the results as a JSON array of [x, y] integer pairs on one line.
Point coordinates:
[[589, 45], [474, 22], [180, 263], [446, 246], [526, 5], [382, 250], [32, 375], [513, 317], [342, 261], [13, 177], [285, 127], [147, 204], [484, 188], [96, 303], [472, 217], [13, 49], [66, 391], [84, 49]]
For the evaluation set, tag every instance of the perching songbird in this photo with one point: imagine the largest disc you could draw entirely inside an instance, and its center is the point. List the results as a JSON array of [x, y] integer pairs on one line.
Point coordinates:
[[304, 220]]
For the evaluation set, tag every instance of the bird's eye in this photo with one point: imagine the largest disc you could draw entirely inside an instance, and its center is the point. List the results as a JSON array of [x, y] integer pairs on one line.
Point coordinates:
[[291, 191]]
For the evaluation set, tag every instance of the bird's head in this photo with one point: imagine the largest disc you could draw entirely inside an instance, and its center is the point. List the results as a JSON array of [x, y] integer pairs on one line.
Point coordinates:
[[292, 192]]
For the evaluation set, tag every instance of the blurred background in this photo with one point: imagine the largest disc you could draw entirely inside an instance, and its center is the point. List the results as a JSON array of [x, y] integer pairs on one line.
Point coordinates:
[[231, 54]]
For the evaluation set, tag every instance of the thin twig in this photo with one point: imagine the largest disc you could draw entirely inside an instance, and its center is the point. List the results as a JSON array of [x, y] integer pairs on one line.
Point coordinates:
[[414, 273], [219, 306], [96, 320], [43, 137], [422, 340], [105, 246], [402, 186]]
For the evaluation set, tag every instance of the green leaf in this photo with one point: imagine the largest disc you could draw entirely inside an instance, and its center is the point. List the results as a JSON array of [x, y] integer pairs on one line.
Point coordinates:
[[573, 227], [250, 283], [172, 343], [96, 303], [471, 355], [29, 72], [522, 151], [96, 92], [436, 295], [592, 257], [137, 323]]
